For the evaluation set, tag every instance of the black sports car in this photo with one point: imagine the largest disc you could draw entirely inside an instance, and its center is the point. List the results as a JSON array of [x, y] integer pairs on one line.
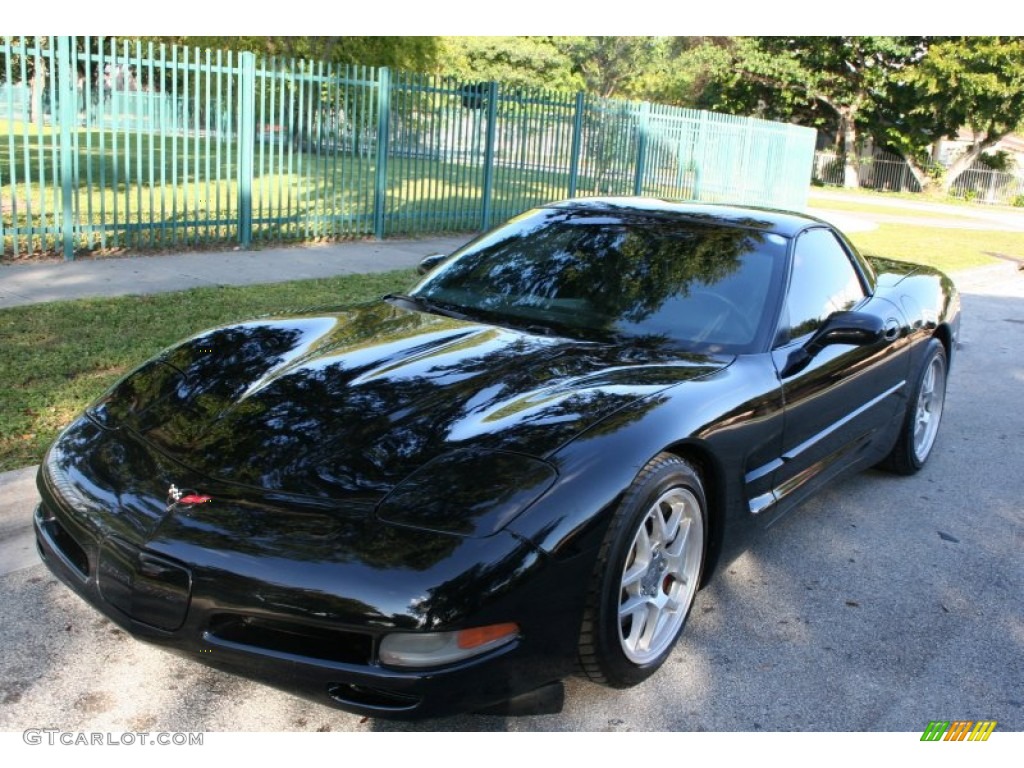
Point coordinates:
[[450, 500]]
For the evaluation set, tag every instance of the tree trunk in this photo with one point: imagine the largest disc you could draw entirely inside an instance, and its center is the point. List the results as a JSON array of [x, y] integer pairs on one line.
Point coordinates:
[[38, 86], [851, 161], [968, 158], [924, 179]]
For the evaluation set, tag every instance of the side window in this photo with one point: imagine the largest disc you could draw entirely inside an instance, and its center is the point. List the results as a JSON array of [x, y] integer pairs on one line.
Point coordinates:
[[823, 281]]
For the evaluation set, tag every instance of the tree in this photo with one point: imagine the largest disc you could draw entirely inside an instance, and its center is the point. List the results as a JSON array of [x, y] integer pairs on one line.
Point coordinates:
[[613, 66], [971, 82], [416, 54], [512, 61], [844, 75]]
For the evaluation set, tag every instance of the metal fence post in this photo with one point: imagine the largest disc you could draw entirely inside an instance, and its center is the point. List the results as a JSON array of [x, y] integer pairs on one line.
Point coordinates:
[[381, 179], [643, 123], [492, 119], [701, 142], [577, 143], [67, 123], [246, 143]]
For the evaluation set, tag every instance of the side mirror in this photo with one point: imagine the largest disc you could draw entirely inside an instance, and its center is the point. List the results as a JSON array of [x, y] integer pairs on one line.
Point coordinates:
[[431, 262], [856, 328]]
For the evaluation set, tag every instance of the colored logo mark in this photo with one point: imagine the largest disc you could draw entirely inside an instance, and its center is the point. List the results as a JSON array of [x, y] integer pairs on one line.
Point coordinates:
[[958, 730]]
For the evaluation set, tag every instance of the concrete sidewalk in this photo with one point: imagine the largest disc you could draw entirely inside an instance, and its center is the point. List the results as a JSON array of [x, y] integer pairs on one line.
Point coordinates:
[[54, 281]]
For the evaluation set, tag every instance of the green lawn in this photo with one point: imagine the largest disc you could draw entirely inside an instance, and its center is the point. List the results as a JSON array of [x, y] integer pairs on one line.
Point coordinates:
[[58, 357], [947, 249], [918, 197], [875, 209], [188, 186]]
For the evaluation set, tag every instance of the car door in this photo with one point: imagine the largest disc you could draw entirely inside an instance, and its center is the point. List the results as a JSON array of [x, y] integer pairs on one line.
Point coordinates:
[[847, 394]]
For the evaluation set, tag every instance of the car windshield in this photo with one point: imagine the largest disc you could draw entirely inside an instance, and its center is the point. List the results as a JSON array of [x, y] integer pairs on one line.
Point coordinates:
[[701, 285]]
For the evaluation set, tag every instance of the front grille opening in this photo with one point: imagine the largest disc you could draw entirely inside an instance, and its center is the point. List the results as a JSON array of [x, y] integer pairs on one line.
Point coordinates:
[[295, 639], [66, 545], [365, 696]]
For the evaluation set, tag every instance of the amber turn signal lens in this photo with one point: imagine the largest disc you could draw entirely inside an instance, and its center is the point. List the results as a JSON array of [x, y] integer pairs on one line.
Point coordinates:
[[473, 638]]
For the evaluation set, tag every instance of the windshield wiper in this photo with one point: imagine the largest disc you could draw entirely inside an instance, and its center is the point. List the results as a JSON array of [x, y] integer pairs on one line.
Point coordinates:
[[429, 305]]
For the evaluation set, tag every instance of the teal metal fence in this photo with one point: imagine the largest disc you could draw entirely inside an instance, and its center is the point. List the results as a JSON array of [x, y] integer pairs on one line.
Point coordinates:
[[107, 144]]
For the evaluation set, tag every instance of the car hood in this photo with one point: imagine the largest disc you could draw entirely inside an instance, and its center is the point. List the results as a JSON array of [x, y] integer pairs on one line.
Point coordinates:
[[345, 404]]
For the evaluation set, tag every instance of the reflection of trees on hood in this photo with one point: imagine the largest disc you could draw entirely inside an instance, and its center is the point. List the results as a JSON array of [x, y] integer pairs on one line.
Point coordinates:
[[625, 271], [326, 407]]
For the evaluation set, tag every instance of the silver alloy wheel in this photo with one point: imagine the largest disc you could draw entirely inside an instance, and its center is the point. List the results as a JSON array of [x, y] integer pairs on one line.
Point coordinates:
[[660, 577], [928, 412]]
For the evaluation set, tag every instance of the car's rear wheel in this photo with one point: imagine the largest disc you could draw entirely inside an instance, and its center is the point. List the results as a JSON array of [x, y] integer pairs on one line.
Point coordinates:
[[924, 412], [647, 574]]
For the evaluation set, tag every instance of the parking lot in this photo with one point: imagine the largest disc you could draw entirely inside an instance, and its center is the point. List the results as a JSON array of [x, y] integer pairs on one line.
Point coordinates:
[[882, 604]]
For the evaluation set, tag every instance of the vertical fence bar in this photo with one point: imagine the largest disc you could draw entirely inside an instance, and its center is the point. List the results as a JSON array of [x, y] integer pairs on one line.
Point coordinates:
[[197, 200], [220, 229], [302, 187], [261, 137], [155, 98], [380, 187], [174, 145], [42, 140], [12, 158], [336, 203], [444, 152], [208, 146], [642, 127], [246, 137], [125, 69], [186, 196], [76, 141], [139, 124], [230, 138], [101, 101], [54, 142], [9, 87], [275, 149], [319, 135], [355, 178], [114, 137], [26, 158], [492, 119], [290, 71], [164, 117], [66, 105]]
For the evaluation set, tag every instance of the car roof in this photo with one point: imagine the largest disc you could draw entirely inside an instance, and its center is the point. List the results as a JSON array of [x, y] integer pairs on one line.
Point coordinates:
[[787, 223]]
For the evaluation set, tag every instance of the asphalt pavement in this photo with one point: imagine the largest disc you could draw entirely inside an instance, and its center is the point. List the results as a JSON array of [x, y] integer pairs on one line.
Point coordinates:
[[881, 604]]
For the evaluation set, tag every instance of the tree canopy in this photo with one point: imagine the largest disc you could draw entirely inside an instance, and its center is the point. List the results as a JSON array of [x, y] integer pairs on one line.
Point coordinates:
[[975, 83], [417, 54]]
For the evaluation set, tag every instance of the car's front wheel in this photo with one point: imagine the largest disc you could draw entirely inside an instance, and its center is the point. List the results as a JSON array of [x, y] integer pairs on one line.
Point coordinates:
[[647, 574]]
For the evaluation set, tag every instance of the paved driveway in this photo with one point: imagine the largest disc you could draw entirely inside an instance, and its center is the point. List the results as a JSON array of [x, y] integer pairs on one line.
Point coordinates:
[[881, 605]]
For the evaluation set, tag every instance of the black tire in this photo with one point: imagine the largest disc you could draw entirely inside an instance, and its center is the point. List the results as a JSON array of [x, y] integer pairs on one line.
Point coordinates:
[[643, 565], [923, 414]]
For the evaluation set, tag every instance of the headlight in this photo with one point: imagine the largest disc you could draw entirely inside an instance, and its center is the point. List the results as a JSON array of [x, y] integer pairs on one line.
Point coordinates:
[[57, 478], [469, 493], [432, 649]]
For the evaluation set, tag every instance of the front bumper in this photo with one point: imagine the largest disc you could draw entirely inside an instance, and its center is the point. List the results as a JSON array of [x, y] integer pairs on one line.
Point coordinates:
[[248, 622]]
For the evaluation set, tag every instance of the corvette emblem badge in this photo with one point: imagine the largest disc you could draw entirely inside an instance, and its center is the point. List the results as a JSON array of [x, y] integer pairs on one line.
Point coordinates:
[[177, 496]]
